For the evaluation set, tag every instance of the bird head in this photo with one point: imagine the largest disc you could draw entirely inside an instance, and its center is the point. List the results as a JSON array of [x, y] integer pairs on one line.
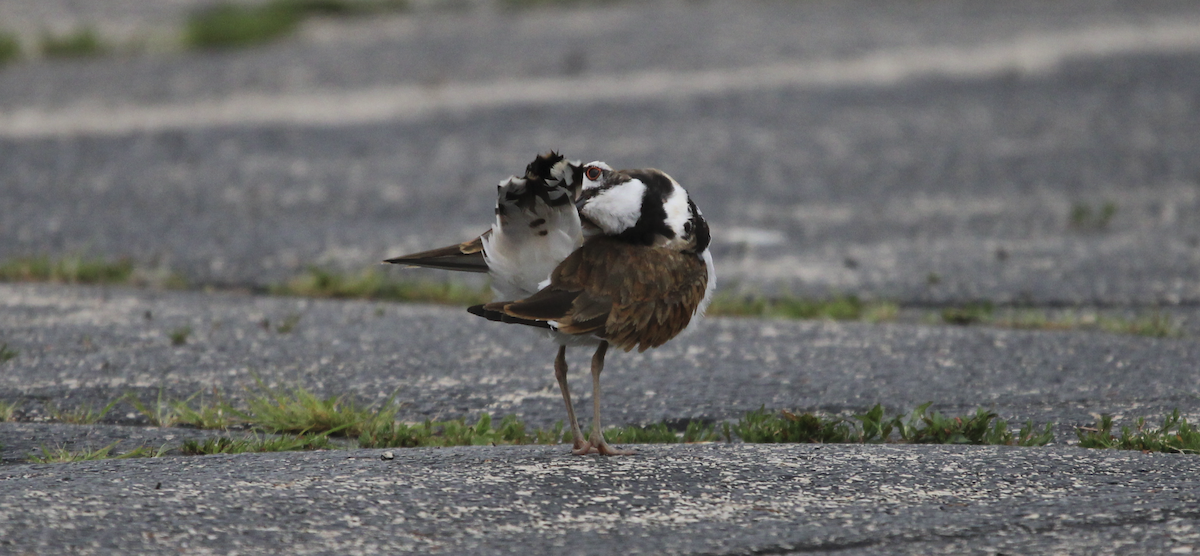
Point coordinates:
[[644, 206]]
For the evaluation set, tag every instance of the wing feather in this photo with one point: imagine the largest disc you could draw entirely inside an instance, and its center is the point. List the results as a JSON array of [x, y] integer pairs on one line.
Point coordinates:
[[631, 295], [466, 256]]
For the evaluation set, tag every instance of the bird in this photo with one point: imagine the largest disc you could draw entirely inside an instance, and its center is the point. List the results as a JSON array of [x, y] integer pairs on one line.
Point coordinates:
[[593, 255], [536, 227], [642, 274]]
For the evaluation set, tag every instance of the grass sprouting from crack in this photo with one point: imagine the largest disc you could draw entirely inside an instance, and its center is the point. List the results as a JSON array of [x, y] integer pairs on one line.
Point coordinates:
[[8, 410], [7, 354], [197, 411], [232, 25], [79, 43], [68, 270], [837, 308], [83, 414], [1154, 324], [62, 455], [298, 411], [921, 427], [1175, 435], [373, 284], [179, 336], [1082, 216], [455, 433], [10, 48], [255, 443]]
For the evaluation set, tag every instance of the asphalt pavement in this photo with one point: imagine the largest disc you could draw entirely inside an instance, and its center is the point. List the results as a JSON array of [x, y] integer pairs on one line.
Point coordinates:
[[1031, 153]]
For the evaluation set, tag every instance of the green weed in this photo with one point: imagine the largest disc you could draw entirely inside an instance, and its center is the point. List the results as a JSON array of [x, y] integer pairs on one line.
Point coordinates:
[[10, 48], [659, 433], [76, 44], [223, 445], [7, 354], [984, 427], [69, 270], [921, 427], [63, 455], [8, 410], [300, 411], [762, 426], [837, 308], [1082, 216], [179, 336], [392, 434], [1174, 435], [231, 25], [82, 415], [372, 284]]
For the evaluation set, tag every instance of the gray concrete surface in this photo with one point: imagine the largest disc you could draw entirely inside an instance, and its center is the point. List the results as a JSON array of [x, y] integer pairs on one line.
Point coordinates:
[[714, 499], [851, 146], [859, 186], [92, 345]]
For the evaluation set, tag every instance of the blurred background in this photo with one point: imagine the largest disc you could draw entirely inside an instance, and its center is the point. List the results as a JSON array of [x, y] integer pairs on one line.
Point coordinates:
[[920, 153]]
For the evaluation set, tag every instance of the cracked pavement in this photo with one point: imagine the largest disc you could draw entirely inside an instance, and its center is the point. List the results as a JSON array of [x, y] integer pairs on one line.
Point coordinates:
[[925, 153]]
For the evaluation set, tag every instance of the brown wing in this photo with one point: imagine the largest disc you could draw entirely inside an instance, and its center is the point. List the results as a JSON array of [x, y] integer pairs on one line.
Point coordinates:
[[466, 256], [631, 295]]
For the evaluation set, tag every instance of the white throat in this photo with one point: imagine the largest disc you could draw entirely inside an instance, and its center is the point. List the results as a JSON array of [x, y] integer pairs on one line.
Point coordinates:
[[616, 209]]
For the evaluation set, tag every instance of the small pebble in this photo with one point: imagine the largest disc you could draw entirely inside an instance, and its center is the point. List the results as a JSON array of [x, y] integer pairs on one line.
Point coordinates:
[[387, 455]]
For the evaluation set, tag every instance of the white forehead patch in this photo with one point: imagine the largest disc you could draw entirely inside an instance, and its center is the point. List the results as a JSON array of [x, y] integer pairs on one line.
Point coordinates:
[[591, 184], [617, 208]]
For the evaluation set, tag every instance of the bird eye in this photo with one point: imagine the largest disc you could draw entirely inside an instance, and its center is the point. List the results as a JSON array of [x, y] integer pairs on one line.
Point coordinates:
[[592, 173]]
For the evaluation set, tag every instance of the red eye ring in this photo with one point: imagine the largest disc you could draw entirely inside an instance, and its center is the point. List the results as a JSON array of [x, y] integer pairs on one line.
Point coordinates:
[[592, 173]]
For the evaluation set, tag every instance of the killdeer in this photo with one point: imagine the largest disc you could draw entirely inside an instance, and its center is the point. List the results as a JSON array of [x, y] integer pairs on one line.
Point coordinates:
[[643, 272], [537, 225]]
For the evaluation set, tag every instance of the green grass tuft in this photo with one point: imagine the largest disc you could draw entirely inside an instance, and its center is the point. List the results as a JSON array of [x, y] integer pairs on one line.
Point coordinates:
[[921, 427], [76, 44], [82, 415], [179, 336], [1154, 324], [837, 308], [761, 426], [299, 411], [223, 445], [982, 428], [457, 432], [7, 354], [69, 270], [660, 433], [373, 284], [63, 455], [1175, 435], [8, 410], [232, 25], [1083, 218], [10, 48]]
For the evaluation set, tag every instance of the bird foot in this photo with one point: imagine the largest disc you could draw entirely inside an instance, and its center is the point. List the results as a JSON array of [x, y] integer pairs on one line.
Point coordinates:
[[584, 448], [605, 450]]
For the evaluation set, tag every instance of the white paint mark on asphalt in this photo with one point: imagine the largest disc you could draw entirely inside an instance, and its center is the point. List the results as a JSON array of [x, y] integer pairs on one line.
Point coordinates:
[[406, 102]]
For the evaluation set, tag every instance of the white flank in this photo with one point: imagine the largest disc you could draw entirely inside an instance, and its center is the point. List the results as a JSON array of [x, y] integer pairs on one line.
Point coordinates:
[[711, 288], [1030, 54]]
